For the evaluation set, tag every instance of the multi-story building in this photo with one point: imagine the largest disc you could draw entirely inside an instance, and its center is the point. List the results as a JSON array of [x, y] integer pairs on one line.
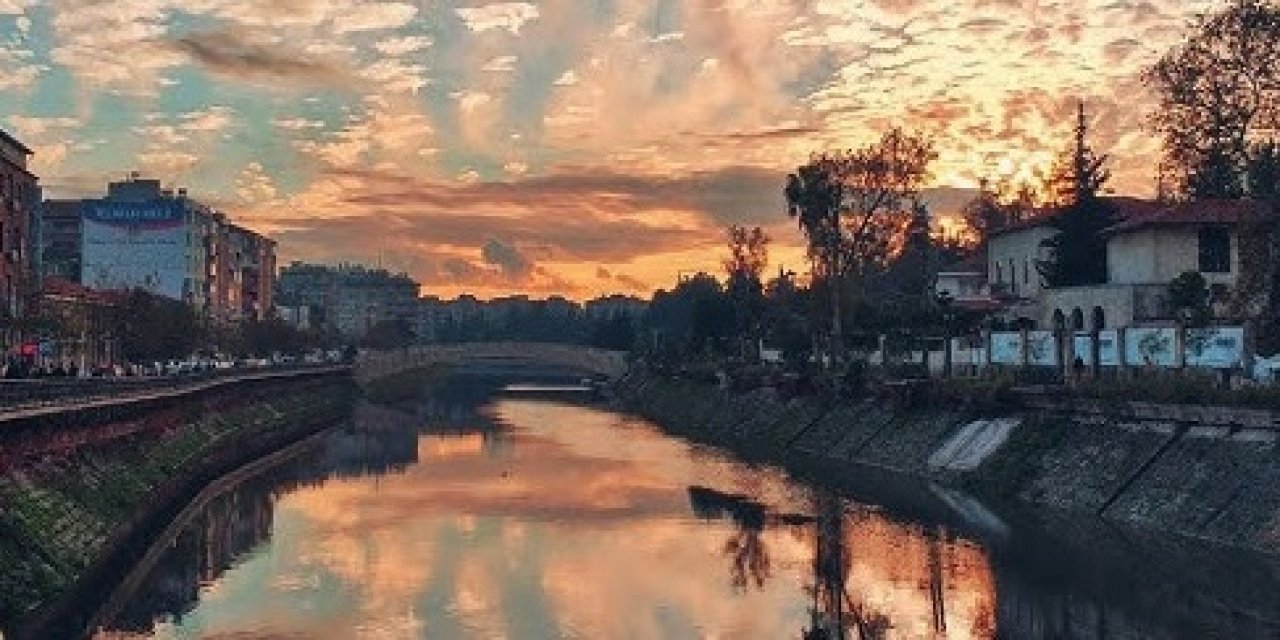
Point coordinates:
[[143, 236], [19, 194], [252, 260], [242, 279], [61, 233], [309, 287], [348, 299], [367, 297]]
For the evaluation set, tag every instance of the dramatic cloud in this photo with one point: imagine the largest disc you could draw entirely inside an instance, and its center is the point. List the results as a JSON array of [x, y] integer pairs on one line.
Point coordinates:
[[620, 134], [228, 53]]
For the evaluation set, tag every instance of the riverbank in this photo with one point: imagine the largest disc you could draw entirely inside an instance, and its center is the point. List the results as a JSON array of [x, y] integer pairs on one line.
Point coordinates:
[[71, 519], [1207, 475]]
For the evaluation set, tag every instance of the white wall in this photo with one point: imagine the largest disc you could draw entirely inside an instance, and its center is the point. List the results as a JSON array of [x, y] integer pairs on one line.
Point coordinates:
[[1157, 255], [1023, 248]]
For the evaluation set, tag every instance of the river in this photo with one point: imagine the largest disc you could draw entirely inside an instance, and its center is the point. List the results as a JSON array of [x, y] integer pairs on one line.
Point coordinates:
[[488, 515]]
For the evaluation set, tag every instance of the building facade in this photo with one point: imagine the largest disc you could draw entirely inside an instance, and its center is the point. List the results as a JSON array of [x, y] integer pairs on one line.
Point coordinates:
[[143, 236], [348, 299], [19, 196], [61, 231], [1150, 246]]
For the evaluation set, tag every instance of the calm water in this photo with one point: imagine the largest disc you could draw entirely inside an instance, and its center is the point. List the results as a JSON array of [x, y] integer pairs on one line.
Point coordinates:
[[507, 517]]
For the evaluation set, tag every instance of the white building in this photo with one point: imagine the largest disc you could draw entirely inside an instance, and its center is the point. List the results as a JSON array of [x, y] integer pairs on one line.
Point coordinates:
[[1146, 251]]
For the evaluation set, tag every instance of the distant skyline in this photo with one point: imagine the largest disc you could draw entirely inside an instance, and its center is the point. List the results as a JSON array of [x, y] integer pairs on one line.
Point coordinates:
[[573, 147]]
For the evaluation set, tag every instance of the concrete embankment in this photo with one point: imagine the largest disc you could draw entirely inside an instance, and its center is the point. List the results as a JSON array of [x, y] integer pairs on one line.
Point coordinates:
[[1207, 475], [72, 519]]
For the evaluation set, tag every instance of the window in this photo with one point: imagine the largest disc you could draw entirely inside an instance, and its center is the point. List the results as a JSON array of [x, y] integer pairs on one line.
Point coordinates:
[[1026, 272], [1215, 250]]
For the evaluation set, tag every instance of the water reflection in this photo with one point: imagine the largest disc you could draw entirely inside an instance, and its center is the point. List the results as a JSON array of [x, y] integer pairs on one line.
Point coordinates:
[[532, 519]]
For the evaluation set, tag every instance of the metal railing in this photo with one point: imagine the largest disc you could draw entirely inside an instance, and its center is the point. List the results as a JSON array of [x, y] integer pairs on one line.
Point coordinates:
[[31, 394]]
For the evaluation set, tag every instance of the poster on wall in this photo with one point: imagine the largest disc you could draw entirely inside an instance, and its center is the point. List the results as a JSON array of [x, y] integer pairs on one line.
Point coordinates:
[[1041, 349], [1150, 347], [1006, 348], [135, 245], [1216, 347]]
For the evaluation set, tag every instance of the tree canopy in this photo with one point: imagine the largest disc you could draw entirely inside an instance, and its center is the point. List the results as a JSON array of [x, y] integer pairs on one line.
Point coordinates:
[[1217, 96], [855, 208]]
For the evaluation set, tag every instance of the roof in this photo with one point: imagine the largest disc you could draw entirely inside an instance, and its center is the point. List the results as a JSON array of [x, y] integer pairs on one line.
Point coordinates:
[[1199, 212], [5, 137], [1123, 207]]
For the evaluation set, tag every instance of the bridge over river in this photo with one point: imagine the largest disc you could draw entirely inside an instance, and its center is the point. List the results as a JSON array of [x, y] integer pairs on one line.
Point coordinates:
[[497, 358]]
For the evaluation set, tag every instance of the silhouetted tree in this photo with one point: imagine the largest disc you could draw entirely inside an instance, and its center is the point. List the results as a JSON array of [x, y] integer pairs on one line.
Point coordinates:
[[1258, 287], [1188, 295], [1216, 93], [154, 328], [693, 317], [1080, 173], [854, 208], [748, 256], [1078, 252]]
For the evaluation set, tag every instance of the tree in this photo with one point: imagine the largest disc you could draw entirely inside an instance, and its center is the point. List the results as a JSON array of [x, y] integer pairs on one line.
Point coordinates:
[[1080, 173], [998, 204], [1078, 251], [1216, 94], [390, 333], [1189, 297], [748, 256], [1257, 293], [748, 253], [854, 208], [152, 328], [691, 318]]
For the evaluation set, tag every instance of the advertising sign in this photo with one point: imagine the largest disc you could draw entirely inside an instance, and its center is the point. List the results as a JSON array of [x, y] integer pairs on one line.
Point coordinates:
[[130, 245], [1217, 347]]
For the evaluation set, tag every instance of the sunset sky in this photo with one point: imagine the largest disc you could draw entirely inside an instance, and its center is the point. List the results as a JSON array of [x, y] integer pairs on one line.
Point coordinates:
[[565, 146]]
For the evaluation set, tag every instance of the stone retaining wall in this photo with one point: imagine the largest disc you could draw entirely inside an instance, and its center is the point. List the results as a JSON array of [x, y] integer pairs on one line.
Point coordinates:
[[66, 516], [1201, 473]]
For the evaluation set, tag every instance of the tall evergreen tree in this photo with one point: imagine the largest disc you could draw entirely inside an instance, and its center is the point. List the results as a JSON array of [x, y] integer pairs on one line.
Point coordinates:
[[1078, 252]]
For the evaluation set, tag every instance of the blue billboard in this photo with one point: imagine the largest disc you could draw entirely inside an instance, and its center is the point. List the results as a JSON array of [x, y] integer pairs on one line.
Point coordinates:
[[136, 245]]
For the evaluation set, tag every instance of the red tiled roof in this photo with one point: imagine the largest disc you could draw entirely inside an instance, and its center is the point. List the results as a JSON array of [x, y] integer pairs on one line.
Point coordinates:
[[1225, 212], [1123, 208]]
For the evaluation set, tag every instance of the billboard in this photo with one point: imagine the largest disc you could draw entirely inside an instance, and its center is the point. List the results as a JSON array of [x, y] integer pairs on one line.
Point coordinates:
[[135, 245]]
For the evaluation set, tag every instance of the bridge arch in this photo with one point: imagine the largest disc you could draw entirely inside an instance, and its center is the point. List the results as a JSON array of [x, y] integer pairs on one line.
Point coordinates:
[[376, 364]]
